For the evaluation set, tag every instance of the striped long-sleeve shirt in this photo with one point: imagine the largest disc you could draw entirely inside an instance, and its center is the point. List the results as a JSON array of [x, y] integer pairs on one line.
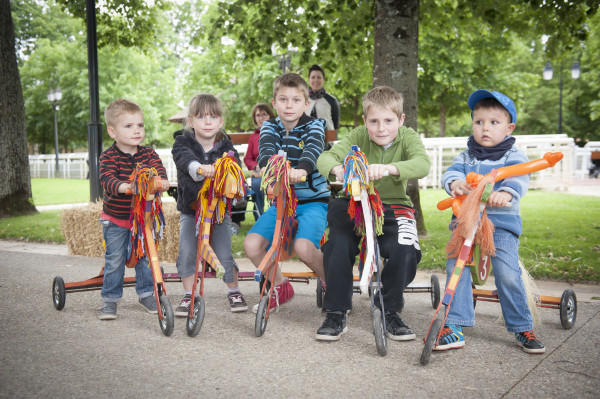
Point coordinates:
[[115, 169], [303, 145], [504, 218]]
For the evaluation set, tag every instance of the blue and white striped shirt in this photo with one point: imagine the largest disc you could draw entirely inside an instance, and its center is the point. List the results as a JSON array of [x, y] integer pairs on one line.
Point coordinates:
[[303, 145]]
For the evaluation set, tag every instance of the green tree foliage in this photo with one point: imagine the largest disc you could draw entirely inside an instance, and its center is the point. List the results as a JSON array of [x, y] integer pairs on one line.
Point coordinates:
[[146, 77], [336, 35], [232, 48]]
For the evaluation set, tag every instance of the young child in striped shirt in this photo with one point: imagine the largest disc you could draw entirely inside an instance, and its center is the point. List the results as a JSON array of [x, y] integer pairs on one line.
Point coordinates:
[[125, 124]]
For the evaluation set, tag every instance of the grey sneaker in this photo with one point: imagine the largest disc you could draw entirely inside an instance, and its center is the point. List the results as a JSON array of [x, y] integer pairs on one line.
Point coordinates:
[[108, 311], [237, 302], [397, 328], [183, 310], [149, 304]]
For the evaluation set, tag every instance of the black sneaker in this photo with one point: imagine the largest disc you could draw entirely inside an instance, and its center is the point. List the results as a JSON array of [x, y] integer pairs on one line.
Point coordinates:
[[237, 302], [333, 327], [396, 328], [529, 342], [183, 310]]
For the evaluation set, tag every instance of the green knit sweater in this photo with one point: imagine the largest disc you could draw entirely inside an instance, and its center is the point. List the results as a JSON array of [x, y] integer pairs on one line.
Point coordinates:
[[407, 153]]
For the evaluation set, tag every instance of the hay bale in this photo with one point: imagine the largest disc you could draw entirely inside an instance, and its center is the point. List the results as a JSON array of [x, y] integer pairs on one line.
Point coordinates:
[[83, 231], [168, 247]]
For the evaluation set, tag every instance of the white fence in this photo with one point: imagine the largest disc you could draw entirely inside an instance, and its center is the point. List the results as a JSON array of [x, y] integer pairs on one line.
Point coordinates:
[[441, 150]]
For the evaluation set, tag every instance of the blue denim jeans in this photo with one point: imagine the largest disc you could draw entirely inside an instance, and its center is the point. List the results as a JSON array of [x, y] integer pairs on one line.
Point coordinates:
[[117, 244], [509, 283], [259, 195]]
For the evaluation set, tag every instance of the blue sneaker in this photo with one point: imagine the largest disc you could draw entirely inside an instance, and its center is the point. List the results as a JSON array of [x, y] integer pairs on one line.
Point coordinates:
[[452, 337]]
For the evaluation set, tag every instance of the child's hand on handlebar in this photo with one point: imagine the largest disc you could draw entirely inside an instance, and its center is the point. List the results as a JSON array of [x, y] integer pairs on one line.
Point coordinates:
[[499, 198], [165, 185], [207, 171], [124, 188], [297, 175], [377, 171], [459, 187], [338, 171]]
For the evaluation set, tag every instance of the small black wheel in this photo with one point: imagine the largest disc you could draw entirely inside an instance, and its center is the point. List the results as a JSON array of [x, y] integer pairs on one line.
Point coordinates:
[[568, 309], [58, 293], [261, 316], [435, 291], [261, 283], [378, 331], [194, 323], [430, 341], [235, 229], [320, 293], [168, 320]]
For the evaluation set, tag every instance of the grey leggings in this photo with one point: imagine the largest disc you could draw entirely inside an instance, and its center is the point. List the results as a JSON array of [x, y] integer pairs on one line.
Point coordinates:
[[220, 243]]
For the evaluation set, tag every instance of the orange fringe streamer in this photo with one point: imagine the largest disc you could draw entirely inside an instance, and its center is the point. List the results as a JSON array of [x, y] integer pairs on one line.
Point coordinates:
[[215, 188], [277, 171], [355, 167], [467, 218], [139, 180]]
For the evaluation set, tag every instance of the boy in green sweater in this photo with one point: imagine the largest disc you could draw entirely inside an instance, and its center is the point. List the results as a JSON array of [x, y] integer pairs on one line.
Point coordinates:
[[395, 153]]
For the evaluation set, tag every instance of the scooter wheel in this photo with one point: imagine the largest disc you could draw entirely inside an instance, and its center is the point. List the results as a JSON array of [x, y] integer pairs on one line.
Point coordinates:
[[568, 309], [168, 318], [378, 331], [58, 293], [261, 316], [320, 293], [194, 322], [435, 291], [430, 341]]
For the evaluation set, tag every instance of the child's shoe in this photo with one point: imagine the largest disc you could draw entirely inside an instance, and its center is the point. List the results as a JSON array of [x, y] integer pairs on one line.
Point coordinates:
[[529, 342], [237, 302], [149, 304], [397, 328], [108, 311], [183, 310], [333, 327], [452, 337], [282, 293]]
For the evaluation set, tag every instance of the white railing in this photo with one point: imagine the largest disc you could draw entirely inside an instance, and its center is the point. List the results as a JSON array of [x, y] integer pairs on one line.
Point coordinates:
[[441, 150]]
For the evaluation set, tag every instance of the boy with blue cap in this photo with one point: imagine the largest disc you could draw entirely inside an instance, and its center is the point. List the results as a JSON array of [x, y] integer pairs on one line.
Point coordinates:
[[491, 147]]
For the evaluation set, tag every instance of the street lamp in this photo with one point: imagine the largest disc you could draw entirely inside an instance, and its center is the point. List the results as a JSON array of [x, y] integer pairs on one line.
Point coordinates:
[[547, 75], [54, 96], [285, 61]]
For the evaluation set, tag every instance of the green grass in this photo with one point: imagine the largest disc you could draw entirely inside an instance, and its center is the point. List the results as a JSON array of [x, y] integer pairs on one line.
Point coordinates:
[[41, 227], [560, 240], [561, 232], [60, 191]]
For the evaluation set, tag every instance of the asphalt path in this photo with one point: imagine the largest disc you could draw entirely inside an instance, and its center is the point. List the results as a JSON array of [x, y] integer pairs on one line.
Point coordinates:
[[72, 354]]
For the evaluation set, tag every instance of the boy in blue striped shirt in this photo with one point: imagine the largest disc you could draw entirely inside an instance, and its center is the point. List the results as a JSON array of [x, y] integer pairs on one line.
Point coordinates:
[[491, 147], [302, 137]]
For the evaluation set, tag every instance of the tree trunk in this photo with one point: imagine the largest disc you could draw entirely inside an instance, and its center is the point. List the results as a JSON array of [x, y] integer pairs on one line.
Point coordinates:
[[442, 120], [357, 111], [395, 65], [15, 183]]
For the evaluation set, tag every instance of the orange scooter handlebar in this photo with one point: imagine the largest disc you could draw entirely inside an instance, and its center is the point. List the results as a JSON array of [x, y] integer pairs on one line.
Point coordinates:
[[549, 160]]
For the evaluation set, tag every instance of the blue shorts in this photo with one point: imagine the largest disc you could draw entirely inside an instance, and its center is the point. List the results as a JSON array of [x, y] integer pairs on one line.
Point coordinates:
[[312, 222]]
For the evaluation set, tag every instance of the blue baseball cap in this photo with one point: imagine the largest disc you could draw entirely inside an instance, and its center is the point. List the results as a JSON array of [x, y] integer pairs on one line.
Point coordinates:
[[478, 95]]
